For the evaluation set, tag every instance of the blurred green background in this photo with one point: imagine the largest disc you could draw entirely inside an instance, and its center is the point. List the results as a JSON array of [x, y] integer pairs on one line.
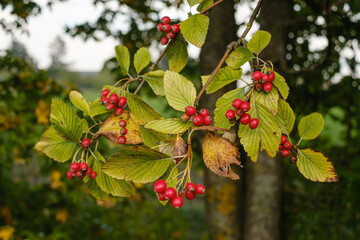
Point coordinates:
[[38, 202]]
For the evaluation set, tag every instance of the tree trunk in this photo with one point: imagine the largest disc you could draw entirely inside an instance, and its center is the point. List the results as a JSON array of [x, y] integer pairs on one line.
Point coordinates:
[[221, 204], [264, 180]]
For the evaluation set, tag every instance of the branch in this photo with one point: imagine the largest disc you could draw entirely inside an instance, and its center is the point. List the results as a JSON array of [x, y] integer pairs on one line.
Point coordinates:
[[211, 6], [229, 49]]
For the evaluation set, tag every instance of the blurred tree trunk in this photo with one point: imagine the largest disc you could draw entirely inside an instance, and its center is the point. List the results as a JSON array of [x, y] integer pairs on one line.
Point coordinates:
[[221, 204], [264, 180]]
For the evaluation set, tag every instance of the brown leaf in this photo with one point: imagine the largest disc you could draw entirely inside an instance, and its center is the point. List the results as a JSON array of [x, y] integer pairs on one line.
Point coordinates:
[[111, 129], [180, 148], [219, 153]]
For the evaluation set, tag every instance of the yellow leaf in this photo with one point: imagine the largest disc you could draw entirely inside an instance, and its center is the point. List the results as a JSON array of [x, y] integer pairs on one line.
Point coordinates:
[[43, 112], [219, 153], [55, 177], [111, 129], [62, 215], [6, 232]]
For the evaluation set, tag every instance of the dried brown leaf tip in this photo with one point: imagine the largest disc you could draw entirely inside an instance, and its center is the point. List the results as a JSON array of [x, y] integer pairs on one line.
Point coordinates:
[[180, 148], [219, 153], [111, 129]]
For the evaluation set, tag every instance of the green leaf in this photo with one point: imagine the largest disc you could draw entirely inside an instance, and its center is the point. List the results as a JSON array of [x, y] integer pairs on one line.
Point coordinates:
[[96, 108], [79, 101], [94, 189], [195, 29], [179, 91], [224, 77], [142, 58], [269, 100], [265, 137], [141, 109], [281, 85], [137, 163], [311, 126], [55, 146], [65, 121], [123, 58], [156, 81], [259, 41], [238, 57], [177, 54], [286, 117], [204, 4], [115, 187], [315, 166], [151, 137], [225, 103], [171, 125], [194, 2]]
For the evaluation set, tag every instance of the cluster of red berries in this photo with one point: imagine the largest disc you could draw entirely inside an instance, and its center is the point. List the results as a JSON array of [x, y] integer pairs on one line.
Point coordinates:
[[176, 198], [241, 107], [285, 146], [263, 81], [203, 118], [119, 102], [170, 31], [80, 171]]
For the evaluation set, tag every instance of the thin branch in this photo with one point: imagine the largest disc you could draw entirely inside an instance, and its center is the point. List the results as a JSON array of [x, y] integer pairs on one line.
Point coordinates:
[[211, 6], [229, 49]]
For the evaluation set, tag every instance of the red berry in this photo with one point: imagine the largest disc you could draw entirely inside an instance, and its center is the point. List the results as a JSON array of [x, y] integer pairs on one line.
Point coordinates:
[[185, 117], [190, 110], [245, 119], [236, 103], [167, 28], [74, 167], [177, 202], [200, 189], [257, 75], [113, 98], [265, 77], [259, 86], [239, 112], [123, 131], [166, 20], [245, 106], [122, 123], [170, 35], [268, 87], [198, 120], [207, 120], [110, 106], [160, 27], [70, 175], [119, 111], [203, 112], [93, 175], [104, 100], [121, 140], [285, 153], [164, 40], [283, 139], [79, 174], [170, 193], [190, 195], [83, 166], [253, 123], [293, 159], [161, 197], [105, 92], [287, 145], [88, 171], [190, 186], [122, 101], [175, 28], [230, 114], [85, 143], [160, 186], [271, 76], [281, 147]]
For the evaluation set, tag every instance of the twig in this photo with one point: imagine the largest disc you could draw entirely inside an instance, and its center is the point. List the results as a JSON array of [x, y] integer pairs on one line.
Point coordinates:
[[229, 49], [211, 6]]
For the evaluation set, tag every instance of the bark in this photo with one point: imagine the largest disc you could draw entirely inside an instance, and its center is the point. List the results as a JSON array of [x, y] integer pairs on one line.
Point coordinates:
[[264, 180], [221, 204]]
